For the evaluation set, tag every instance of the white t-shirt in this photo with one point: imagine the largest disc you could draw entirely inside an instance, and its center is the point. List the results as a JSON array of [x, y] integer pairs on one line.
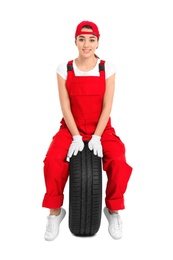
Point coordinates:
[[109, 70]]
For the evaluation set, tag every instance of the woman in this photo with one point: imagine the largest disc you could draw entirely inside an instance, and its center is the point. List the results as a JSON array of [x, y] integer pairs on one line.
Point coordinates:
[[86, 90]]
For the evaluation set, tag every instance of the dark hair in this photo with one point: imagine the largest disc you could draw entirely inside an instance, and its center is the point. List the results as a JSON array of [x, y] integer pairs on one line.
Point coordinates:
[[89, 27]]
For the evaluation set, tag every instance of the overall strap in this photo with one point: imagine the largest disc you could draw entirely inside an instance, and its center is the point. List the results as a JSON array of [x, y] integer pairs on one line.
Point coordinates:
[[102, 68], [70, 71], [70, 65]]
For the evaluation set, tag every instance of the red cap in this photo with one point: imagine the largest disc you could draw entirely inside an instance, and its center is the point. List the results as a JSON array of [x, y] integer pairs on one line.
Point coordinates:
[[94, 27]]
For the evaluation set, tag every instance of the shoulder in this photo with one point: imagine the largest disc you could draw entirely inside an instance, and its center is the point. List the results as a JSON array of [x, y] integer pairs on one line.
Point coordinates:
[[62, 69], [110, 68]]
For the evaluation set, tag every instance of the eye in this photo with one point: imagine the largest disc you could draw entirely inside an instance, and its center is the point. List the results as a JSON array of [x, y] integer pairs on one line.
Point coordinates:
[[92, 40]]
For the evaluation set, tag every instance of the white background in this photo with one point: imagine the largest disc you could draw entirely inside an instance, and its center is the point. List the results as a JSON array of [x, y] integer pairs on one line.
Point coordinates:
[[35, 36]]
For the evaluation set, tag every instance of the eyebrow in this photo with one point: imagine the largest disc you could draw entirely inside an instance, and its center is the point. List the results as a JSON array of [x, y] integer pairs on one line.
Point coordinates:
[[81, 36]]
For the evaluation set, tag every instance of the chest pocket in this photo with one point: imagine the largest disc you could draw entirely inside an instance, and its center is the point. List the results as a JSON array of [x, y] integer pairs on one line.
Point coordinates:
[[86, 86]]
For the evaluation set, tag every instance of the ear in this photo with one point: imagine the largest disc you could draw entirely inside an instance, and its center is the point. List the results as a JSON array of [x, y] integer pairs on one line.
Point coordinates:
[[75, 42]]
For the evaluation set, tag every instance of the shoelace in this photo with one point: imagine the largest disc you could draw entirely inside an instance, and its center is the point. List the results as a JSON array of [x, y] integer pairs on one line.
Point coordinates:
[[116, 222], [51, 224]]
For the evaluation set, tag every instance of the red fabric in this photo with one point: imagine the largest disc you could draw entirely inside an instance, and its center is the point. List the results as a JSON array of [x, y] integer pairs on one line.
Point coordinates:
[[86, 95], [94, 27]]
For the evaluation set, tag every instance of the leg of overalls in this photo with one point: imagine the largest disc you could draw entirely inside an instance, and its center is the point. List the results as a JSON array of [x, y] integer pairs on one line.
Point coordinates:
[[56, 169], [117, 170]]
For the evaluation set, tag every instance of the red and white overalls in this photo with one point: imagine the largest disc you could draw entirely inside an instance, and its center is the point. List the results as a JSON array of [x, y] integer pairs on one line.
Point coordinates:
[[86, 95]]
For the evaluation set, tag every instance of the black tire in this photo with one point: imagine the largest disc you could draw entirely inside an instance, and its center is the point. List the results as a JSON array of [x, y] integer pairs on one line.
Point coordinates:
[[85, 193]]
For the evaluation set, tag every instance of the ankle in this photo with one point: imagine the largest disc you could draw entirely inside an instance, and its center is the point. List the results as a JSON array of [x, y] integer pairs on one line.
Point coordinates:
[[113, 211], [55, 212]]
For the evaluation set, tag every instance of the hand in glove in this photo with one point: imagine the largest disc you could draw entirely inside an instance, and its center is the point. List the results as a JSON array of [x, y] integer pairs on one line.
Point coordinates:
[[95, 145], [76, 146]]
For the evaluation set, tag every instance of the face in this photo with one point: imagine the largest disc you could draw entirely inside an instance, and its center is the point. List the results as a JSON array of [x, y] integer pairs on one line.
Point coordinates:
[[86, 43]]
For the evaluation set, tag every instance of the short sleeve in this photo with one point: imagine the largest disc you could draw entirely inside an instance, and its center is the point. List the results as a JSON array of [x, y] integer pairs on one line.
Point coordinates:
[[110, 69], [62, 70]]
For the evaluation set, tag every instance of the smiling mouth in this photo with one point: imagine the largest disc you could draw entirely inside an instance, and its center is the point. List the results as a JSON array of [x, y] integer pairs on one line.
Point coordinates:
[[86, 50]]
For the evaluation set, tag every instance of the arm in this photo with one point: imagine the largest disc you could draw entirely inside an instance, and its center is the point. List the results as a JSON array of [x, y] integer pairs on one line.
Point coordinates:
[[107, 105], [65, 106]]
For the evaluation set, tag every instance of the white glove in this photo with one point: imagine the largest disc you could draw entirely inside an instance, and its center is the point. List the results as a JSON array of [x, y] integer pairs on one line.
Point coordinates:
[[76, 146], [95, 145]]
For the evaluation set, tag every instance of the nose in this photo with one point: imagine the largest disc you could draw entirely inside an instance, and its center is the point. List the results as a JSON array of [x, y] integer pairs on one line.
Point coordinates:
[[86, 43]]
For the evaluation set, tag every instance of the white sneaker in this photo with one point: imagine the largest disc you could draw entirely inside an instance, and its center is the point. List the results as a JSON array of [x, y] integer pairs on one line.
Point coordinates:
[[115, 224], [52, 227]]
